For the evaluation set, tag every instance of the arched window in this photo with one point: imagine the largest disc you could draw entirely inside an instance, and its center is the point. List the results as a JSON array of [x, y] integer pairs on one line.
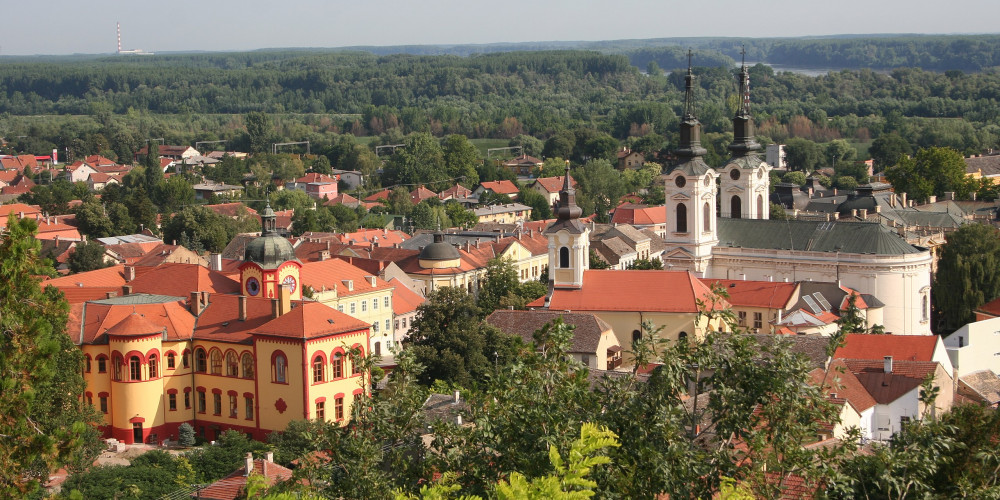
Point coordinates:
[[760, 206], [171, 360], [117, 366], [706, 214], [87, 363], [154, 369], [186, 359], [564, 257], [682, 336], [232, 365], [102, 364], [636, 336], [216, 358], [735, 207], [134, 368], [280, 366], [682, 218], [247, 365], [317, 369], [200, 360], [925, 310], [337, 363]]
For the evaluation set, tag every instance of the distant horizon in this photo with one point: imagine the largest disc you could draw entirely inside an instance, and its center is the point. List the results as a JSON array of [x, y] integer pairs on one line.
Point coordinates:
[[493, 44], [64, 28]]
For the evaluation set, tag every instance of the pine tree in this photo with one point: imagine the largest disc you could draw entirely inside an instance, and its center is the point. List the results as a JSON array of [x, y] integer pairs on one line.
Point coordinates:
[[42, 419]]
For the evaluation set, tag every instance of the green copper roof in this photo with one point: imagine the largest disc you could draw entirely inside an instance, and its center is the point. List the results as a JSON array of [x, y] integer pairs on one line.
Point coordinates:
[[814, 236], [269, 251], [746, 162], [694, 166]]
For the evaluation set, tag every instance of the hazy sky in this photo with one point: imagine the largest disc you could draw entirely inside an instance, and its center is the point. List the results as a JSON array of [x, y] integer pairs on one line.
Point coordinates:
[[68, 27]]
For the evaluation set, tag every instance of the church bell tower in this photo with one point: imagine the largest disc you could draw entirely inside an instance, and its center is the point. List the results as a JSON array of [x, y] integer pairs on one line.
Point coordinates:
[[569, 241], [746, 177]]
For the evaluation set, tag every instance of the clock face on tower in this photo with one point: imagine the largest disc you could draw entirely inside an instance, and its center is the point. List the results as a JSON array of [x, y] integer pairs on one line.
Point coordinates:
[[253, 286], [680, 182], [734, 174], [290, 280]]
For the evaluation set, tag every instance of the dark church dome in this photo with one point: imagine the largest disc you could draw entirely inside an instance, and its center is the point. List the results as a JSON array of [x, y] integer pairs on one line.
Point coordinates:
[[270, 249], [439, 250]]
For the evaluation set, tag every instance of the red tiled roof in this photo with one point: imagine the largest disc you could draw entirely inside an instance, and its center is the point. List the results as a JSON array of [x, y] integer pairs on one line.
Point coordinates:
[[523, 160], [842, 382], [640, 215], [767, 294], [381, 195], [381, 237], [876, 347], [98, 161], [135, 324], [421, 194], [327, 274], [132, 252], [312, 251], [231, 486], [651, 291], [309, 320], [456, 191], [99, 319], [314, 177], [158, 255], [179, 280], [553, 184], [501, 187], [991, 308], [342, 199], [220, 318], [404, 300], [886, 388]]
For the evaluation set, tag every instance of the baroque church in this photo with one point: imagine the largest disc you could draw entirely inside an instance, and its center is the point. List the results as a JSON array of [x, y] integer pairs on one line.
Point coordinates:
[[733, 238]]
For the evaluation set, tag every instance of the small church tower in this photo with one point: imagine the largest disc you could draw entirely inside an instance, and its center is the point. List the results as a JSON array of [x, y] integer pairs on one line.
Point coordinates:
[[569, 241], [690, 189], [746, 177], [269, 263]]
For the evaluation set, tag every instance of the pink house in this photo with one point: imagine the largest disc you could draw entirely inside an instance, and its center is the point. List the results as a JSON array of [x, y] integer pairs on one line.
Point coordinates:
[[316, 185]]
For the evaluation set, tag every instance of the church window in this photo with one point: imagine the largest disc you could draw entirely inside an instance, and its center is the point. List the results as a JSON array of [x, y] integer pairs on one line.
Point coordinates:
[[134, 368], [247, 363], [734, 174], [232, 365], [564, 257], [760, 206], [735, 206], [924, 308], [706, 214], [280, 366], [682, 217]]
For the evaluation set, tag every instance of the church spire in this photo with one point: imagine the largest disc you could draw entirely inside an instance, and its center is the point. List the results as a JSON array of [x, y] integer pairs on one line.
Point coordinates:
[[568, 209], [268, 221], [690, 139], [744, 139]]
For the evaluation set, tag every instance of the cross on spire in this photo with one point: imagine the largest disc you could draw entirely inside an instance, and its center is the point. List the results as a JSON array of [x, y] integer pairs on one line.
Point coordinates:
[[689, 90]]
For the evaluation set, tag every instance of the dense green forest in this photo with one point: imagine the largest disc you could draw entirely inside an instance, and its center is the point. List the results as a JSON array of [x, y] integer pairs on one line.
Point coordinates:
[[115, 104]]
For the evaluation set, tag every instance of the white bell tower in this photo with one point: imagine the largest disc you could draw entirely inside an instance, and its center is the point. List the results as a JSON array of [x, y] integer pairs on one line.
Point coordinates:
[[690, 189], [746, 177], [569, 241]]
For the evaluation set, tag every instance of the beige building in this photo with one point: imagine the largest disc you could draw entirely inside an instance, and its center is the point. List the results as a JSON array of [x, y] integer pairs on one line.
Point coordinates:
[[594, 343], [510, 213]]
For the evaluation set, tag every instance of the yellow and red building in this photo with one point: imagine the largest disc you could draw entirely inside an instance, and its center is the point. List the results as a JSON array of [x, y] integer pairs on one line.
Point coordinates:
[[251, 361]]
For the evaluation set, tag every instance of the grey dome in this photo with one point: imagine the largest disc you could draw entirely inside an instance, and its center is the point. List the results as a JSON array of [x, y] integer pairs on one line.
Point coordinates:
[[439, 250], [269, 251]]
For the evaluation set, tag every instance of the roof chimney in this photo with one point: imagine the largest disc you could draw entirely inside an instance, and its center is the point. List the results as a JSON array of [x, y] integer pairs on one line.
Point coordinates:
[[129, 273], [242, 299], [269, 456], [215, 262], [126, 289], [284, 299], [248, 466], [195, 303], [887, 364], [112, 294]]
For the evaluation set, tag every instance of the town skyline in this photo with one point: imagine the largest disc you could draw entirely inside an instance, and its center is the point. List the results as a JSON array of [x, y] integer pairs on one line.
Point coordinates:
[[74, 28]]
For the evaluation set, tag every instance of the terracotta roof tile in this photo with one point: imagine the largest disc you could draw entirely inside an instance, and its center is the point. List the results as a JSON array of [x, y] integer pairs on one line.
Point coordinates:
[[327, 274], [587, 332], [886, 388], [99, 316], [404, 300], [231, 486], [179, 280], [311, 320], [501, 187], [772, 295], [554, 184], [652, 291], [844, 384], [876, 347]]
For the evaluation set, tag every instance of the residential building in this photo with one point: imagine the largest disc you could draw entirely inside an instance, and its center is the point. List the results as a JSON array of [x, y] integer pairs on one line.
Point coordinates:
[[205, 190], [524, 165], [251, 360], [318, 186], [594, 343], [975, 347], [503, 187], [631, 160], [549, 187], [510, 213]]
